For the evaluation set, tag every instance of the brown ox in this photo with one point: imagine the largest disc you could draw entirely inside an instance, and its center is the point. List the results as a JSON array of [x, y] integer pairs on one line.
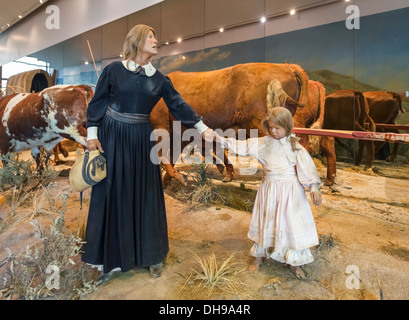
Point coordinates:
[[384, 108], [233, 97], [348, 110], [312, 116], [43, 119]]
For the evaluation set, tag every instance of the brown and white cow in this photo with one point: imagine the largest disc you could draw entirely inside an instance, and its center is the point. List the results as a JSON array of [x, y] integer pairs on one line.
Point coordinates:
[[312, 116], [43, 119], [384, 108], [232, 98], [348, 110]]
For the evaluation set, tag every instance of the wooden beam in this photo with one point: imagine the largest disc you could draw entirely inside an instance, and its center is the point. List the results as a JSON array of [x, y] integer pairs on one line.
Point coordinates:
[[358, 135], [392, 126]]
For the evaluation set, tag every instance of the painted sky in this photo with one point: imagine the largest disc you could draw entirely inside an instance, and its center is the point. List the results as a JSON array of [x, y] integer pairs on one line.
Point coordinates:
[[376, 54], [382, 50]]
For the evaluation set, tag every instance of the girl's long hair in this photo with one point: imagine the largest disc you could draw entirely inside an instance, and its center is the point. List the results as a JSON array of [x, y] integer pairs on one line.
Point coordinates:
[[283, 117], [135, 41]]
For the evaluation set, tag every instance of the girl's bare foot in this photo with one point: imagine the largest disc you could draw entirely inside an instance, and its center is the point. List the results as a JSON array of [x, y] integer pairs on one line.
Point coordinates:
[[299, 273], [253, 268]]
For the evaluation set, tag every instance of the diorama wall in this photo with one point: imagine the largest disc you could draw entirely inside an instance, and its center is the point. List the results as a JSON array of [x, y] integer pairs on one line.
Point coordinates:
[[373, 57]]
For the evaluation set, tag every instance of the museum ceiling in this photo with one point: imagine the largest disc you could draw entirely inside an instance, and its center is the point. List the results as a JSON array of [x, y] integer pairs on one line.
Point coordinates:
[[12, 12]]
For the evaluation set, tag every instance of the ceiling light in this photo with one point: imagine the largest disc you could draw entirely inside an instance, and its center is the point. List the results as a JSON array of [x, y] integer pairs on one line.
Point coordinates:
[[263, 19], [41, 1], [221, 29], [183, 57], [86, 62], [179, 40], [292, 12], [167, 42], [20, 16]]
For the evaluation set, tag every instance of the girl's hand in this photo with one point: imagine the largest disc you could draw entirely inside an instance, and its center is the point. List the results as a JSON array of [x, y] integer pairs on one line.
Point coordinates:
[[94, 144], [316, 198]]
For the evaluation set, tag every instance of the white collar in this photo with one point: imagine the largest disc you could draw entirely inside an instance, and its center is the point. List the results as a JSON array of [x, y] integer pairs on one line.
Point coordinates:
[[149, 68], [282, 140]]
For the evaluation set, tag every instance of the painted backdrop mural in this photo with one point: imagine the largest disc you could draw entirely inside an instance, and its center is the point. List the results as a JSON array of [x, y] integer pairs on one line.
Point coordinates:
[[374, 57], [377, 54]]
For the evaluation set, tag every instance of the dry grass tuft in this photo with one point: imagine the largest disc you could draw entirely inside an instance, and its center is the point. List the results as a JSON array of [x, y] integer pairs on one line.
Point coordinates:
[[27, 276], [218, 278], [55, 251], [326, 242], [205, 192]]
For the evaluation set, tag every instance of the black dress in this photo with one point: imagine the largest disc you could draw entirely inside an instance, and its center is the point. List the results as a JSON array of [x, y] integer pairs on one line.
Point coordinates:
[[127, 225]]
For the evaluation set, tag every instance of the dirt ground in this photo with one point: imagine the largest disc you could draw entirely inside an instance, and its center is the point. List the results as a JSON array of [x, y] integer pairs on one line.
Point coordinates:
[[363, 225]]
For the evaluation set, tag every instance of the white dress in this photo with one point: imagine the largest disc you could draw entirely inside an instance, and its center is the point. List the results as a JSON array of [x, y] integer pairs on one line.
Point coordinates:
[[282, 224]]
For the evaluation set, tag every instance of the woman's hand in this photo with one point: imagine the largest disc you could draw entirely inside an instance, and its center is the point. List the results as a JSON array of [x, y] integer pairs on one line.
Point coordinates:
[[208, 135], [316, 198], [94, 144], [217, 137]]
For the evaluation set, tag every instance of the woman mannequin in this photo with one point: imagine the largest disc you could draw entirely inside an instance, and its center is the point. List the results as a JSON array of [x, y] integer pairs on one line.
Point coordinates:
[[127, 225]]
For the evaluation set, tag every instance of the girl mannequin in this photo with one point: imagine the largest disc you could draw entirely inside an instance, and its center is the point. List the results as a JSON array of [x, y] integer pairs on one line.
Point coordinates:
[[282, 225]]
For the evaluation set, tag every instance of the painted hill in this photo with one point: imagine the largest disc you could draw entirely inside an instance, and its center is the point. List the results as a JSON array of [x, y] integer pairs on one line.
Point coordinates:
[[335, 81]]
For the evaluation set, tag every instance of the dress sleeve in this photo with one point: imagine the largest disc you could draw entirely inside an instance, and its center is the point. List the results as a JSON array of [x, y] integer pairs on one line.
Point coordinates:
[[306, 171], [99, 103], [177, 106], [247, 147]]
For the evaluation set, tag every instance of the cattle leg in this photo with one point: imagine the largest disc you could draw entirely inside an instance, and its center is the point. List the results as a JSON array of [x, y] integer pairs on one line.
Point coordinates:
[[59, 148], [62, 150], [214, 158], [394, 153], [56, 154], [226, 164], [378, 146], [358, 156], [369, 154], [229, 168], [47, 157], [36, 154], [219, 166], [170, 173], [168, 164], [327, 147]]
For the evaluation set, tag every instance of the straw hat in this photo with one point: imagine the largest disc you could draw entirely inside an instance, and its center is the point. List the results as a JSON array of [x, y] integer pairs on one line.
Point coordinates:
[[88, 170]]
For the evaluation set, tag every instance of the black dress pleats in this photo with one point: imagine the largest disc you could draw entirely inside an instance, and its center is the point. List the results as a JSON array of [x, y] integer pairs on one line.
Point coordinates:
[[127, 225]]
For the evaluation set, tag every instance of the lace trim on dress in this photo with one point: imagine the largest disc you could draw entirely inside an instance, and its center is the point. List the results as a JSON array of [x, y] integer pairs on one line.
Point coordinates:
[[292, 257]]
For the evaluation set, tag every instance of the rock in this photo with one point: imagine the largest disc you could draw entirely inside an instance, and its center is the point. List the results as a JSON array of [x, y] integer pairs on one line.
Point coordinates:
[[334, 188]]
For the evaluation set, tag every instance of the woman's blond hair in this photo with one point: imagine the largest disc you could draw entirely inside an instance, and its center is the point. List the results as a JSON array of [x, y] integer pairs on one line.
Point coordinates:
[[282, 117], [135, 41]]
